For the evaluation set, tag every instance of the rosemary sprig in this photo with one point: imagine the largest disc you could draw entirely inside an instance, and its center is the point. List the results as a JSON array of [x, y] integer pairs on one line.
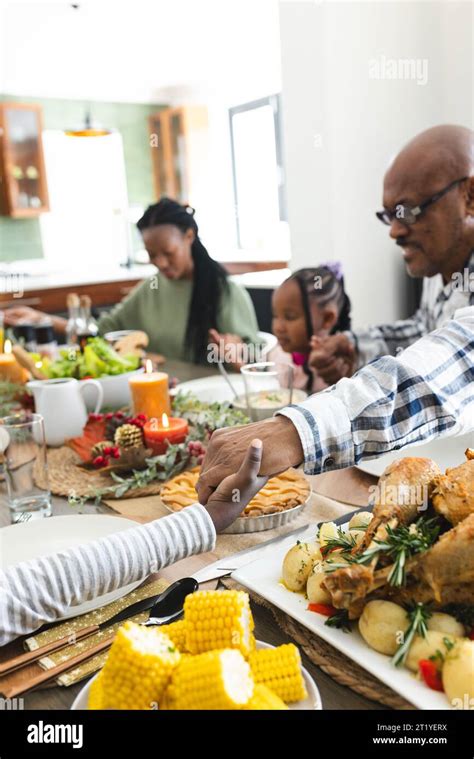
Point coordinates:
[[418, 615], [344, 540], [402, 543], [340, 620], [330, 565]]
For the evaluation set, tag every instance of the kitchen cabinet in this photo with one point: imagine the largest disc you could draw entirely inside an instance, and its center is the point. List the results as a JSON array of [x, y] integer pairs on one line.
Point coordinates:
[[179, 144], [23, 187]]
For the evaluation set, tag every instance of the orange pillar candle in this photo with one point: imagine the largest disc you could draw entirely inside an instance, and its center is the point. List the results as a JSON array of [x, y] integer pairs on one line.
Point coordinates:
[[10, 369], [150, 392], [159, 433]]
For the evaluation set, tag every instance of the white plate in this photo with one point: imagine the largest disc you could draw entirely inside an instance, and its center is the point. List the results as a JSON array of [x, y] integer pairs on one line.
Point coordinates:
[[446, 452], [263, 576], [213, 388], [312, 702], [28, 540]]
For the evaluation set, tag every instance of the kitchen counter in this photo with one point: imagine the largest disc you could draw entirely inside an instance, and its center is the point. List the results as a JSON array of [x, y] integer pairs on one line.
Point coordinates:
[[34, 284], [32, 275]]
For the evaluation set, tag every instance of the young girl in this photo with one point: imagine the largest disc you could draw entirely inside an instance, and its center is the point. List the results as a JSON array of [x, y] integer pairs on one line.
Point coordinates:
[[311, 304]]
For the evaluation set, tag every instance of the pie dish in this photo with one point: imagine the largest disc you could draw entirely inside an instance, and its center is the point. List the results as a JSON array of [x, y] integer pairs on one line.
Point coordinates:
[[278, 502]]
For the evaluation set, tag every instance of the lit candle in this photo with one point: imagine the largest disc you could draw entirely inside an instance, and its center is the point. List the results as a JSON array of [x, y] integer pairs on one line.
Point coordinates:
[[10, 369], [159, 433], [150, 392]]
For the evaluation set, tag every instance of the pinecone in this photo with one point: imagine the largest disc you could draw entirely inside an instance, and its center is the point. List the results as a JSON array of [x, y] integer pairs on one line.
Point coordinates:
[[112, 424], [129, 436], [98, 448]]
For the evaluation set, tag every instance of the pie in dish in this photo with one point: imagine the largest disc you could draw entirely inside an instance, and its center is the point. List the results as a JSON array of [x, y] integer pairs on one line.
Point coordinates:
[[283, 492]]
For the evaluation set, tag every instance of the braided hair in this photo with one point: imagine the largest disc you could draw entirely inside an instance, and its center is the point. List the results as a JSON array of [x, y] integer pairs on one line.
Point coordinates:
[[209, 278], [323, 284]]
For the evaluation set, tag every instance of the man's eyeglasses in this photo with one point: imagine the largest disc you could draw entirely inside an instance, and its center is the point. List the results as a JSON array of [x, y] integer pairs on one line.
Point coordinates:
[[410, 214]]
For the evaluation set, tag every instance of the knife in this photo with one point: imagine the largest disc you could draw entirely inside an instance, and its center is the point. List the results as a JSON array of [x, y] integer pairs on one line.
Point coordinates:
[[229, 564]]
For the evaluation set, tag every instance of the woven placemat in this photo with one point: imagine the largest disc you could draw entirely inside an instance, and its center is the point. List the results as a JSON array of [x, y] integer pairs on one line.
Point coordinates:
[[66, 478], [334, 663]]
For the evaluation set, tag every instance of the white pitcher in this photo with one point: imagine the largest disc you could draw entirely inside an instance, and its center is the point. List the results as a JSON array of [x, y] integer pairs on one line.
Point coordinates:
[[60, 403]]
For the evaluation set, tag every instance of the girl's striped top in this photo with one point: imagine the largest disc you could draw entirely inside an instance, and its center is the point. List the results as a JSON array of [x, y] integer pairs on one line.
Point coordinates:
[[42, 590]]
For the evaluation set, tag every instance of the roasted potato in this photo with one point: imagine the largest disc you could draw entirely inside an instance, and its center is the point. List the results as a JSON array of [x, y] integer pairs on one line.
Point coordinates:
[[316, 594], [382, 625], [327, 531], [423, 648], [458, 675], [298, 563], [445, 623], [358, 525], [362, 519]]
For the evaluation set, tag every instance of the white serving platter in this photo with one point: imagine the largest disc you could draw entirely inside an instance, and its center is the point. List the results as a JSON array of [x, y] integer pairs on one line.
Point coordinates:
[[446, 452], [40, 537], [263, 576], [311, 703]]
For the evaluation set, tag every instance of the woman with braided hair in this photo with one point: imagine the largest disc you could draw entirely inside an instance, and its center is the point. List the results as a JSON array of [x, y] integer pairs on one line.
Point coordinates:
[[189, 304]]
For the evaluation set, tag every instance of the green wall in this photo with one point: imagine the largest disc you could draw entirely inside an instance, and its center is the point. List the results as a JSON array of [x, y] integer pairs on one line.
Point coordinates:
[[20, 238]]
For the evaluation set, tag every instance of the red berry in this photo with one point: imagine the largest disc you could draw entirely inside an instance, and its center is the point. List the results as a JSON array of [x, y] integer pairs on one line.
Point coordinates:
[[115, 453], [100, 461], [119, 415], [107, 450], [109, 416], [142, 417]]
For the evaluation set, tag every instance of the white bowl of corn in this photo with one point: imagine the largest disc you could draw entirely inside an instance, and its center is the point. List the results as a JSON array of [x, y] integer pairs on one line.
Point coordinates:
[[209, 660]]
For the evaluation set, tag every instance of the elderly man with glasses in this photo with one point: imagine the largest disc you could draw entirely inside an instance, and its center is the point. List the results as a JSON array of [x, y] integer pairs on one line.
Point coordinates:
[[428, 201]]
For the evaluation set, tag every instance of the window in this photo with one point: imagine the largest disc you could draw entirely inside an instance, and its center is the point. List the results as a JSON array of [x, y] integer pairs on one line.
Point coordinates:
[[259, 184], [87, 227]]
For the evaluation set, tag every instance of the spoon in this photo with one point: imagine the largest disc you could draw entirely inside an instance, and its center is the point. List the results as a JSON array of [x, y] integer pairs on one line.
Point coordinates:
[[225, 374], [170, 604]]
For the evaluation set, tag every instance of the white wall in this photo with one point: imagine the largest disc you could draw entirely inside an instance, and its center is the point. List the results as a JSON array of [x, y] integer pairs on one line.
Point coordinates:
[[342, 127]]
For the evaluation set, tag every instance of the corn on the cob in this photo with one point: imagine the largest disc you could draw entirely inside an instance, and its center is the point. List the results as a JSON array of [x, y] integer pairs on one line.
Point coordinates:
[[138, 668], [214, 680], [280, 670], [95, 693], [218, 619], [264, 699], [176, 632]]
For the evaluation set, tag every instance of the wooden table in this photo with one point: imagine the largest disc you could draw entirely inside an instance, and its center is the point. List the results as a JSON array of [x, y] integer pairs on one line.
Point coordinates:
[[352, 484]]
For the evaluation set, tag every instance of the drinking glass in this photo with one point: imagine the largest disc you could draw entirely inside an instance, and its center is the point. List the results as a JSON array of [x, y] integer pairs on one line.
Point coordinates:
[[268, 388], [24, 465]]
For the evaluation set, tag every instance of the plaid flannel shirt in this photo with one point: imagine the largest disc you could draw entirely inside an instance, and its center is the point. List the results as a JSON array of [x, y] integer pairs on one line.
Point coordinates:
[[438, 305], [423, 392]]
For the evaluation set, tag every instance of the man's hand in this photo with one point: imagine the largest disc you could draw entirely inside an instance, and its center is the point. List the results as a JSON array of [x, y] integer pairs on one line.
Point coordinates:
[[228, 448], [237, 490], [332, 357], [18, 314]]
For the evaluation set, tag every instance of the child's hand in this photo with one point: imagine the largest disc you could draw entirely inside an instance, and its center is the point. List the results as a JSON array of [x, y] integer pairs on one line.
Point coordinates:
[[231, 497], [332, 357], [230, 347]]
